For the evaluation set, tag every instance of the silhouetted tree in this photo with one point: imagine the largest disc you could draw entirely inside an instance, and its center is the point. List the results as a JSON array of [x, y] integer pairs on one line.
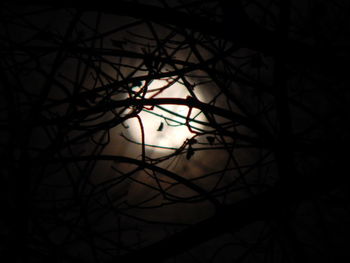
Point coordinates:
[[256, 170]]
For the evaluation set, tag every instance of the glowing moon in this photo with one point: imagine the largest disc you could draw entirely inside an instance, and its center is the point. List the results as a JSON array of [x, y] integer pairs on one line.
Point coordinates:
[[165, 125]]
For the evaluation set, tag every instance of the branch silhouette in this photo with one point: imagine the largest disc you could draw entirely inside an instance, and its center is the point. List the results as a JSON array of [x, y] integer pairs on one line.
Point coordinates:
[[156, 131]]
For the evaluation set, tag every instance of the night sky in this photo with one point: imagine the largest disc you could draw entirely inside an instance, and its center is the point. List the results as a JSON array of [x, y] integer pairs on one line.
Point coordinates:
[[174, 131]]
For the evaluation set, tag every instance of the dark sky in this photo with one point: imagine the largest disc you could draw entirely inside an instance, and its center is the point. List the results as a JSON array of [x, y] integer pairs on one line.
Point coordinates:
[[174, 131]]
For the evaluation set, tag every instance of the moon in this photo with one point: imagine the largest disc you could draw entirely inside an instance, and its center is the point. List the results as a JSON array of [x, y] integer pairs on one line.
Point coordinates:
[[165, 125]]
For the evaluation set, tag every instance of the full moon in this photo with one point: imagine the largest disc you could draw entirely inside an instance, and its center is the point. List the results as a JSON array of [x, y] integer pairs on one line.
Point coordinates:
[[165, 126]]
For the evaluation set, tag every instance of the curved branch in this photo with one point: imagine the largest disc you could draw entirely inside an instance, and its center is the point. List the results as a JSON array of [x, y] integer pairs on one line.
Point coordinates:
[[144, 165]]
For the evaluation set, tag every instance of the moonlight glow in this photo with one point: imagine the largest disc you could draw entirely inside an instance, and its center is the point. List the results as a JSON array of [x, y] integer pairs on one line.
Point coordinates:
[[165, 125]]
